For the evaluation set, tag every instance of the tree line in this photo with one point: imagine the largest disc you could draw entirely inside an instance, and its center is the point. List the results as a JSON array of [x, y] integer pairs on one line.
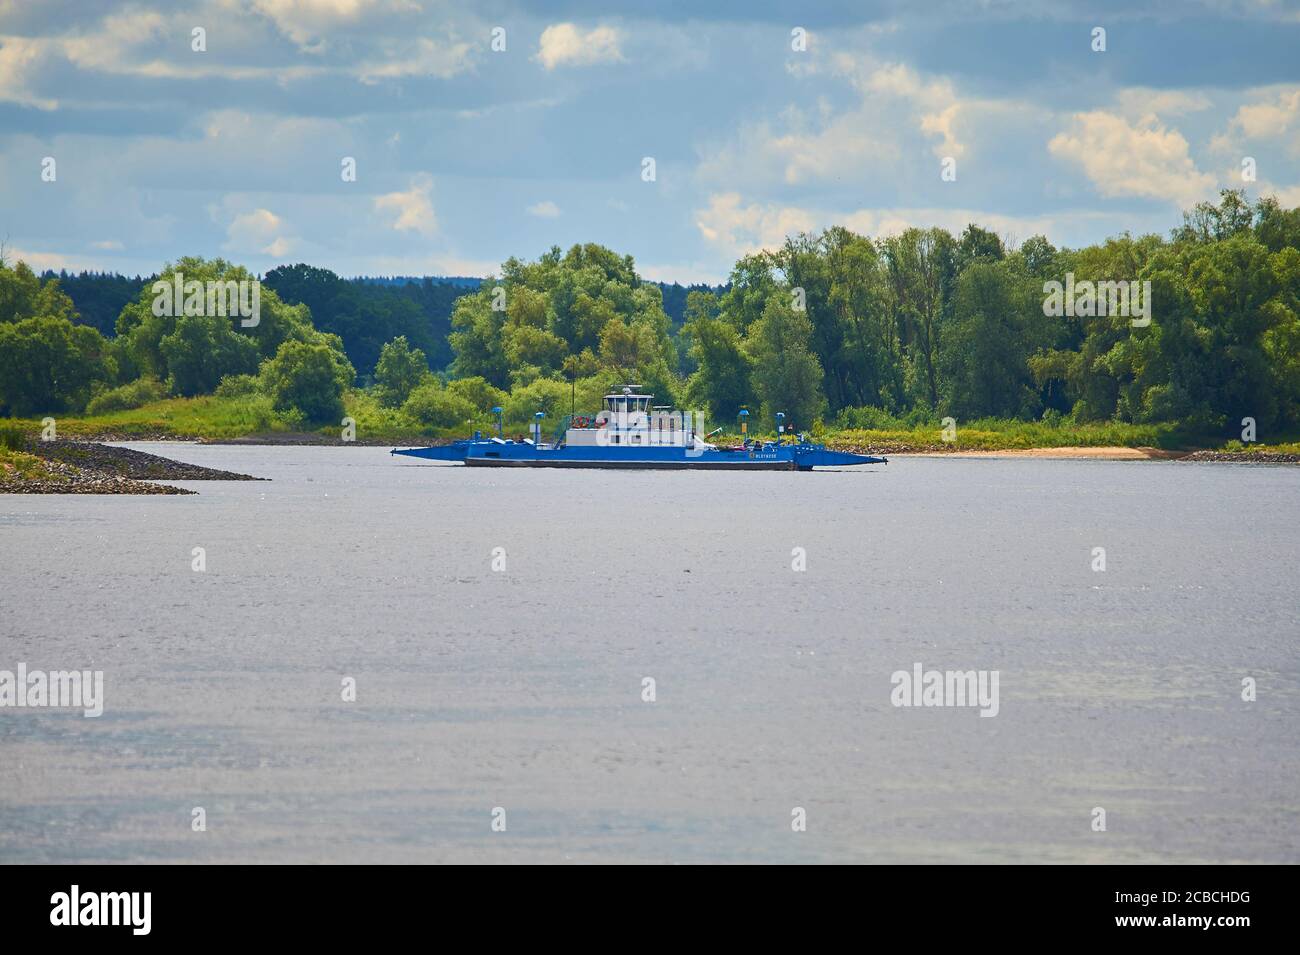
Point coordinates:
[[845, 328], [833, 327]]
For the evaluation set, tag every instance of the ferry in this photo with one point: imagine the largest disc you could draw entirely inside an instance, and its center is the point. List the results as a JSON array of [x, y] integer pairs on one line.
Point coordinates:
[[629, 432]]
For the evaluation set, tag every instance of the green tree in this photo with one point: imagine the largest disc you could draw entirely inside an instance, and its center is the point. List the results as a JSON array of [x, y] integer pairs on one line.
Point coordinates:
[[751, 284], [23, 295], [1276, 227], [721, 383], [365, 314], [398, 371], [201, 351], [48, 364], [985, 349], [477, 340], [805, 262], [545, 318], [146, 321], [978, 245], [310, 378], [787, 376], [1207, 222], [1281, 343]]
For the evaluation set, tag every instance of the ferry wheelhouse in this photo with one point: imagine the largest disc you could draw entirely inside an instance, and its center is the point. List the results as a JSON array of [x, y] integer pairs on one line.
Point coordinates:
[[628, 420]]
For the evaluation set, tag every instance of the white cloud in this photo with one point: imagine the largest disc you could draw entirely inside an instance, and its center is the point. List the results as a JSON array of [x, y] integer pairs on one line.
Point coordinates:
[[807, 148], [414, 208], [843, 143], [544, 210], [897, 110], [257, 231], [108, 245], [564, 44], [1137, 102], [736, 228], [935, 99], [1274, 115], [436, 264], [134, 43], [125, 44], [279, 247], [308, 22], [683, 273], [739, 229], [1266, 120], [40, 261], [423, 58], [111, 47], [1288, 196], [1123, 158], [18, 58]]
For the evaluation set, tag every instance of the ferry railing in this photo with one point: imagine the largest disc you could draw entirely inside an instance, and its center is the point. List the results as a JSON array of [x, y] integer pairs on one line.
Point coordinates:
[[558, 437]]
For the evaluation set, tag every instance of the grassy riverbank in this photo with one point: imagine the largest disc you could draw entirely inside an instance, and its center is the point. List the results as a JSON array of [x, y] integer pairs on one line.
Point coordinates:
[[993, 434], [211, 418], [214, 419]]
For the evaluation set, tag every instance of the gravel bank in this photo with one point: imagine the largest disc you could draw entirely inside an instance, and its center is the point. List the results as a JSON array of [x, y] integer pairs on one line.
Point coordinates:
[[78, 467], [127, 463], [1244, 457]]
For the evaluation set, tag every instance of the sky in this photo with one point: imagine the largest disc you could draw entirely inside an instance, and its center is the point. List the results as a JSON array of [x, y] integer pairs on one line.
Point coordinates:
[[763, 119]]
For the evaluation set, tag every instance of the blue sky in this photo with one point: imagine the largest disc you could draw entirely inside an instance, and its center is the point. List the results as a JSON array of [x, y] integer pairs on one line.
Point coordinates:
[[466, 156]]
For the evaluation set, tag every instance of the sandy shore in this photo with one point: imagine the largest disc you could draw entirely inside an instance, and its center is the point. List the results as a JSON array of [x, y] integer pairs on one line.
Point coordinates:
[[1115, 454], [1099, 454]]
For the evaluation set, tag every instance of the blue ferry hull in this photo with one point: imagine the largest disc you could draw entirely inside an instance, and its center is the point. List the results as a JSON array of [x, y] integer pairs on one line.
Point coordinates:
[[786, 457]]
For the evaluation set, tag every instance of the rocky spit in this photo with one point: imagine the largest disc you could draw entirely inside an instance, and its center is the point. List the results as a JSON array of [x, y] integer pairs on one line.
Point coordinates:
[[1244, 457], [82, 467]]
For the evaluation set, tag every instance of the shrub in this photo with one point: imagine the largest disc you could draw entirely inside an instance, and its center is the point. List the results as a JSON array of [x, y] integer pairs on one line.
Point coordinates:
[[478, 392], [437, 407], [544, 394], [125, 397], [13, 438], [238, 386]]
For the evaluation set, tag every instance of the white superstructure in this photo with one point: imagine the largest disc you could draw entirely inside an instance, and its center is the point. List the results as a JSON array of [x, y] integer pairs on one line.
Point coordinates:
[[629, 419]]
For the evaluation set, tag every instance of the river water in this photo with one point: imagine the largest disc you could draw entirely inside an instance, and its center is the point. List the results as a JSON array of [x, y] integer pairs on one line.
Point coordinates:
[[500, 627]]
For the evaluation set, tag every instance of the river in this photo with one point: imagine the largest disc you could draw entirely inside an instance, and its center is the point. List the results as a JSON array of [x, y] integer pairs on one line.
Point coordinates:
[[500, 628]]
